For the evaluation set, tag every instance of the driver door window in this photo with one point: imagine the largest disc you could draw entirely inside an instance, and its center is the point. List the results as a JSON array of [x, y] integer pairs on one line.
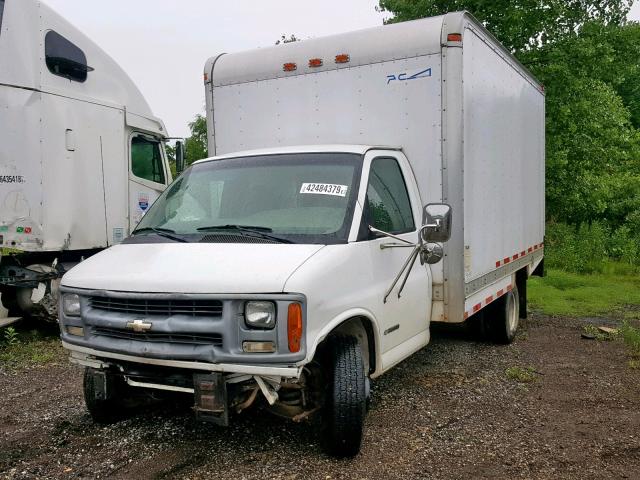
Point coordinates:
[[388, 204], [146, 159]]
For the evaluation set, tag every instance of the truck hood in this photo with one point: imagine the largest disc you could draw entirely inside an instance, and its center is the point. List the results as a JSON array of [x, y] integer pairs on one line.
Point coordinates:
[[190, 268]]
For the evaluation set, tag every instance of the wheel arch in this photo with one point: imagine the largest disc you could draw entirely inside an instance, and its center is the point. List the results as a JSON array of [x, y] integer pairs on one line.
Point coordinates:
[[360, 324]]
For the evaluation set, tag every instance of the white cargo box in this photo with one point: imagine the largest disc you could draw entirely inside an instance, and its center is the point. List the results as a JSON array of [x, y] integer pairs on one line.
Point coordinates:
[[467, 115]]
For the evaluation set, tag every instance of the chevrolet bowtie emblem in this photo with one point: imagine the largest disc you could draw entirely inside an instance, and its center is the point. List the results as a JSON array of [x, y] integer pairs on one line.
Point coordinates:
[[139, 326]]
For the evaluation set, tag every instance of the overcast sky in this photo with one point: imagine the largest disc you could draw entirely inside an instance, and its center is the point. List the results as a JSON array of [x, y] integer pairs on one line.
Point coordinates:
[[163, 44]]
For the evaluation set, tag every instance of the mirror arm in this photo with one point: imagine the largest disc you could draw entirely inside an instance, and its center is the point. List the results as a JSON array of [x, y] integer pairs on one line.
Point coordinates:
[[396, 245], [414, 257], [410, 260], [375, 230]]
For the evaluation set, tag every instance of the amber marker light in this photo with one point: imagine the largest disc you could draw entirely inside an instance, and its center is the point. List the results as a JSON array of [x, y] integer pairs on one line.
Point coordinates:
[[315, 62], [294, 327], [342, 58], [289, 67]]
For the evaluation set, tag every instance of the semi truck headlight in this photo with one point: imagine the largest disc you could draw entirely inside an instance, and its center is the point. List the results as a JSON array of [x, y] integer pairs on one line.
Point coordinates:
[[260, 314], [71, 304]]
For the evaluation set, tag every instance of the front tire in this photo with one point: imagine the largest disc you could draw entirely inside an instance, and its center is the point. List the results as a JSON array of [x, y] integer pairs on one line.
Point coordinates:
[[346, 397], [504, 317]]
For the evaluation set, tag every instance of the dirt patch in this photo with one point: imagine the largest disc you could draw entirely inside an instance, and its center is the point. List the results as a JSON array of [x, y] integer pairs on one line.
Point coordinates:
[[450, 411]]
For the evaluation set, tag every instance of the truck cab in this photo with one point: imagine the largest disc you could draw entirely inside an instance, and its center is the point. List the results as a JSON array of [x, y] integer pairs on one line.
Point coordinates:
[[248, 264], [82, 156]]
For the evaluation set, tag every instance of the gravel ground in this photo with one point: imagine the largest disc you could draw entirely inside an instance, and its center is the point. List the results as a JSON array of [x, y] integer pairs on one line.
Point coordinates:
[[450, 411]]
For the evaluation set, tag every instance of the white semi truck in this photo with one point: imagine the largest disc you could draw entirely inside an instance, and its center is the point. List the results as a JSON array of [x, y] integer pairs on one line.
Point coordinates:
[[81, 154], [364, 185]]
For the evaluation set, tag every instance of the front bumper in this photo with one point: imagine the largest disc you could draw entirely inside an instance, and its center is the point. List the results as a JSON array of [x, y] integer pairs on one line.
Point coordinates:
[[89, 357]]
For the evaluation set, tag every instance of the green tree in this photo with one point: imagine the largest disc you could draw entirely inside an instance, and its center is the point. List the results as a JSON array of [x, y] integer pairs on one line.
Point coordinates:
[[171, 156], [593, 111], [608, 53], [196, 143], [593, 154], [518, 24]]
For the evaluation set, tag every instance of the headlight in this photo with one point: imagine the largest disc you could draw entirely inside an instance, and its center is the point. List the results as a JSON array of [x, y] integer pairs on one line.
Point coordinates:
[[260, 314], [71, 305]]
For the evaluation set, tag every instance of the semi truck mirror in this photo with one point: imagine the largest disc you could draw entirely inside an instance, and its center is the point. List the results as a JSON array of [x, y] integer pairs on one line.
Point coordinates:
[[179, 157], [437, 223]]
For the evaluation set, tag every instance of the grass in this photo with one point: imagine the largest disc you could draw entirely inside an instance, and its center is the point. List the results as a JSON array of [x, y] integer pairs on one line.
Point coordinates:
[[522, 375], [575, 295], [631, 337], [28, 349]]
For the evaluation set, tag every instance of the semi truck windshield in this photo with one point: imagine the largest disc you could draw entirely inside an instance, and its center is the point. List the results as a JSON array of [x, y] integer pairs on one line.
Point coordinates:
[[303, 198]]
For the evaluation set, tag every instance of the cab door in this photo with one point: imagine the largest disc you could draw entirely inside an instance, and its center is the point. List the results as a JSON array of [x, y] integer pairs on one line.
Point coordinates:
[[392, 204], [147, 175]]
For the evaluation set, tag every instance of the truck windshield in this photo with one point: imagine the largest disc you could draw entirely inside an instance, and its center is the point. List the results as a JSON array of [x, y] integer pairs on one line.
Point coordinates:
[[300, 198]]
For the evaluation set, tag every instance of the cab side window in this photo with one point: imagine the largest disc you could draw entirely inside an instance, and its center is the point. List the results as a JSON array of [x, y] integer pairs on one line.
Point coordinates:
[[388, 205], [146, 159], [65, 59]]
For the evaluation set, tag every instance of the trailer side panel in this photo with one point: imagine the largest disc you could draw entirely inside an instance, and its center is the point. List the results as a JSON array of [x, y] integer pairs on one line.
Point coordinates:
[[503, 162]]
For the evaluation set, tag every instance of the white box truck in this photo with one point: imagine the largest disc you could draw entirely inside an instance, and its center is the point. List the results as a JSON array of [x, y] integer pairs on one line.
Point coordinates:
[[81, 154], [364, 186]]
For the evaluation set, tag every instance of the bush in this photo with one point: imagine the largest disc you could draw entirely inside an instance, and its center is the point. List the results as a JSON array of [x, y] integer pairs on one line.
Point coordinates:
[[591, 249]]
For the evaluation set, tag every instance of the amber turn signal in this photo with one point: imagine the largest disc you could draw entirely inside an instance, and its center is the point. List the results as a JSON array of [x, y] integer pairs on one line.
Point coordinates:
[[294, 327]]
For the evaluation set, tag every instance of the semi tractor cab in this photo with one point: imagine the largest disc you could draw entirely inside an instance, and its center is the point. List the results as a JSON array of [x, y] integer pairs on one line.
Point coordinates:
[[363, 186], [82, 156]]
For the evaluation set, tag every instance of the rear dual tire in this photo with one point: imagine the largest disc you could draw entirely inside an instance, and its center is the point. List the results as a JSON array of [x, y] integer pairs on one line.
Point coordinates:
[[502, 318]]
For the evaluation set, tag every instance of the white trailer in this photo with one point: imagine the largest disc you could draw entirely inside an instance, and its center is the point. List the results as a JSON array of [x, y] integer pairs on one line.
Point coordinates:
[[364, 185], [81, 154]]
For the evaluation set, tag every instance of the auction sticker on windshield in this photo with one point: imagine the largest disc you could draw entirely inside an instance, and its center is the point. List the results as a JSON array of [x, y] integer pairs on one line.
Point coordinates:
[[325, 189]]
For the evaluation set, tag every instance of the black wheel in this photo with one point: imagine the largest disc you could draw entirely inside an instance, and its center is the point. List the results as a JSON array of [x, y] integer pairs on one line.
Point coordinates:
[[8, 296], [346, 397], [503, 317], [103, 395]]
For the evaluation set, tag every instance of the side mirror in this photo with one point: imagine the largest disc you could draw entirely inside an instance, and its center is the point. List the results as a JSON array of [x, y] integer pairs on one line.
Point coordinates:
[[179, 157], [437, 223]]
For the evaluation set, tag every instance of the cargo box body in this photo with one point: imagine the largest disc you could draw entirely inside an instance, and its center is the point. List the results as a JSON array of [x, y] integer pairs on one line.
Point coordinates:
[[467, 115]]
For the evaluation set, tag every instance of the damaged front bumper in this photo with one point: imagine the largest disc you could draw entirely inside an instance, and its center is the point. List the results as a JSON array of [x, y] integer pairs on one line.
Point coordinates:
[[99, 359], [218, 390], [189, 343]]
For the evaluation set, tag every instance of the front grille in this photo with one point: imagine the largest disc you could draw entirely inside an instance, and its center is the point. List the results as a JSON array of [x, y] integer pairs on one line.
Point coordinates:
[[143, 306], [213, 339]]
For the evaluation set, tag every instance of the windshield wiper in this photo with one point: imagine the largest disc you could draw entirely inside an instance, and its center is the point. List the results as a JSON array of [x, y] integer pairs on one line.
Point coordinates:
[[162, 232], [263, 232]]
